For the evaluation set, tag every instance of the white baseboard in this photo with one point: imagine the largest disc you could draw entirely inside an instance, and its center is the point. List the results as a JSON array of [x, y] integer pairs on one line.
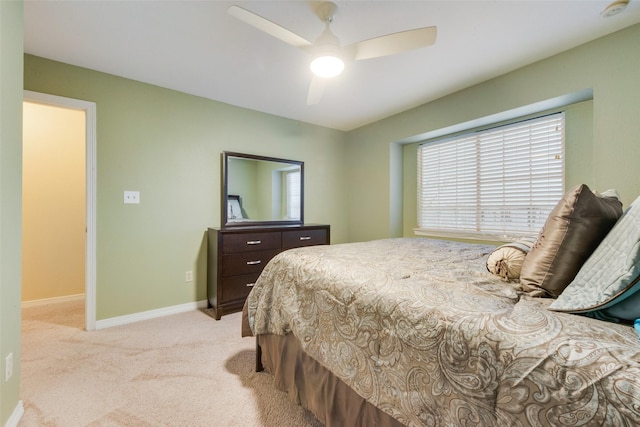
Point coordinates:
[[16, 416], [54, 300], [151, 314]]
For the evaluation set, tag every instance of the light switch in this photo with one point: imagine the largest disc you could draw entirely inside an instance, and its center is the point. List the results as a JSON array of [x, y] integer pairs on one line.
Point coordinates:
[[131, 197]]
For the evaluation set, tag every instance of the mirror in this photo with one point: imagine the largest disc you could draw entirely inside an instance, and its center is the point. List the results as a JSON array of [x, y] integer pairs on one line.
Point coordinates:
[[258, 190]]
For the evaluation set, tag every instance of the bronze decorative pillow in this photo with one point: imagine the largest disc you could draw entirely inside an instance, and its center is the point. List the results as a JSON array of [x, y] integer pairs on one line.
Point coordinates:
[[573, 230]]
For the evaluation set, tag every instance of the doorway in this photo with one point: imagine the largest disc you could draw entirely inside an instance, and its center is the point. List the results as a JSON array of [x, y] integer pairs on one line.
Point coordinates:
[[59, 194]]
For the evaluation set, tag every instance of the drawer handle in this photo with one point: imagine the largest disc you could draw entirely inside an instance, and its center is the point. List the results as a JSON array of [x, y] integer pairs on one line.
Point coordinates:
[[254, 242], [250, 285], [305, 238], [254, 262]]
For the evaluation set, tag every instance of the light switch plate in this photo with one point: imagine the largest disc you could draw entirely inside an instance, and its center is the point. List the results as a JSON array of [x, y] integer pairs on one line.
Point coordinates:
[[131, 197]]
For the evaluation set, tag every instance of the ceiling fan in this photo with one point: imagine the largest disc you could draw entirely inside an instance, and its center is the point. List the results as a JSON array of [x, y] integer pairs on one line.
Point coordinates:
[[328, 57]]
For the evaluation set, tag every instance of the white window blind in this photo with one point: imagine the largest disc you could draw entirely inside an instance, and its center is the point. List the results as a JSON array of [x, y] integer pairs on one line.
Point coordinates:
[[500, 182], [293, 195]]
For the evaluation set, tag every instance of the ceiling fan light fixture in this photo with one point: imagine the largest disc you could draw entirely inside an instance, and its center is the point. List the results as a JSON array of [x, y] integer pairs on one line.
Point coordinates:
[[327, 61], [328, 55], [327, 66]]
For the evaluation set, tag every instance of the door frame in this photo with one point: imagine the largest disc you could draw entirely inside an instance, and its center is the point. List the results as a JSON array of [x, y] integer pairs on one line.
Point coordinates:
[[91, 190]]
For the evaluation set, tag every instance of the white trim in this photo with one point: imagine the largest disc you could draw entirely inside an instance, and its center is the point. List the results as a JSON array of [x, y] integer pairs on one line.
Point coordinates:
[[16, 416], [91, 191], [54, 300], [151, 314], [451, 234], [538, 107]]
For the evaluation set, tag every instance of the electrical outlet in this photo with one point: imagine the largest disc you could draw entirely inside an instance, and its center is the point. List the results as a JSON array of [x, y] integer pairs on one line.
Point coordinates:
[[8, 367], [189, 276], [131, 197]]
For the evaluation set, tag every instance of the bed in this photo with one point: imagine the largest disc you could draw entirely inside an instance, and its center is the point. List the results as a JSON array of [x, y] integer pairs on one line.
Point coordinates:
[[424, 332], [416, 332]]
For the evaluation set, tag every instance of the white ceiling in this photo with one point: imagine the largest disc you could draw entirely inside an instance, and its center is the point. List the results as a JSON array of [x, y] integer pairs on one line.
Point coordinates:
[[197, 48]]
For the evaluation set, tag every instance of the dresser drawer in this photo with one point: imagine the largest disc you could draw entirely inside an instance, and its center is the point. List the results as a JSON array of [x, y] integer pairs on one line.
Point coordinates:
[[246, 262], [298, 238], [238, 287], [244, 242]]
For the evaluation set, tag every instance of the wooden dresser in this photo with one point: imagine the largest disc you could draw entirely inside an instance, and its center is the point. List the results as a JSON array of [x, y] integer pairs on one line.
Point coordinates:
[[237, 255]]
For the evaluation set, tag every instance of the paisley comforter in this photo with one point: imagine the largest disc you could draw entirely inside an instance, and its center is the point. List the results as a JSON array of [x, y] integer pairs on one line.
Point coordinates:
[[420, 329]]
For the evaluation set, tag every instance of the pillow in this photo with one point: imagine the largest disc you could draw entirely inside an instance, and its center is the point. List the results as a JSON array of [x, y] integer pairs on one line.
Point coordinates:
[[624, 307], [573, 230], [609, 282], [506, 260]]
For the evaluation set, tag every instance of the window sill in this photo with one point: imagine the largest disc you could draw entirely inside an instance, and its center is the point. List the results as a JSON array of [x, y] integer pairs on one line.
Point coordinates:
[[467, 235]]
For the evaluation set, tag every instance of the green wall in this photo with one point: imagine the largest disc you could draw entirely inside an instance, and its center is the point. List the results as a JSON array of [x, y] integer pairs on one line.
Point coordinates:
[[168, 146], [603, 152], [11, 36]]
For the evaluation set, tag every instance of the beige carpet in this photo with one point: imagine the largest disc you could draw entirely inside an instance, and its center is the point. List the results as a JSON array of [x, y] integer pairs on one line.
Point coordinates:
[[182, 370]]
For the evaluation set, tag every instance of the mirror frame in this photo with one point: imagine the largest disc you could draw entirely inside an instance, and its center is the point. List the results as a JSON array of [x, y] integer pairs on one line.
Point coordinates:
[[225, 194]]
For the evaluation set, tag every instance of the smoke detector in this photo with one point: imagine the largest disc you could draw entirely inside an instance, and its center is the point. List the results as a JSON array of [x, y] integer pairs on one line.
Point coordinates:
[[614, 8]]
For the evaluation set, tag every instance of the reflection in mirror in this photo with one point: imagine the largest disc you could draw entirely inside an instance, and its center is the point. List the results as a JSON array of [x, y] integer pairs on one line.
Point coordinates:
[[259, 189], [234, 211]]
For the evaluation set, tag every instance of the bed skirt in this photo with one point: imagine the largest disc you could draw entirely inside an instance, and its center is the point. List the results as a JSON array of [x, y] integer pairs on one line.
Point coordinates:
[[311, 385], [314, 387]]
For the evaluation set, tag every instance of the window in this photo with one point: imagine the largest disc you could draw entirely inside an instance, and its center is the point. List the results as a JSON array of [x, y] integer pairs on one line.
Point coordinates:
[[497, 183], [293, 195]]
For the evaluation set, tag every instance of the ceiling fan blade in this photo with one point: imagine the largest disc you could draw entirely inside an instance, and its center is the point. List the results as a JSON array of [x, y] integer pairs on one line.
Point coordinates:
[[268, 27], [316, 89], [393, 43]]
